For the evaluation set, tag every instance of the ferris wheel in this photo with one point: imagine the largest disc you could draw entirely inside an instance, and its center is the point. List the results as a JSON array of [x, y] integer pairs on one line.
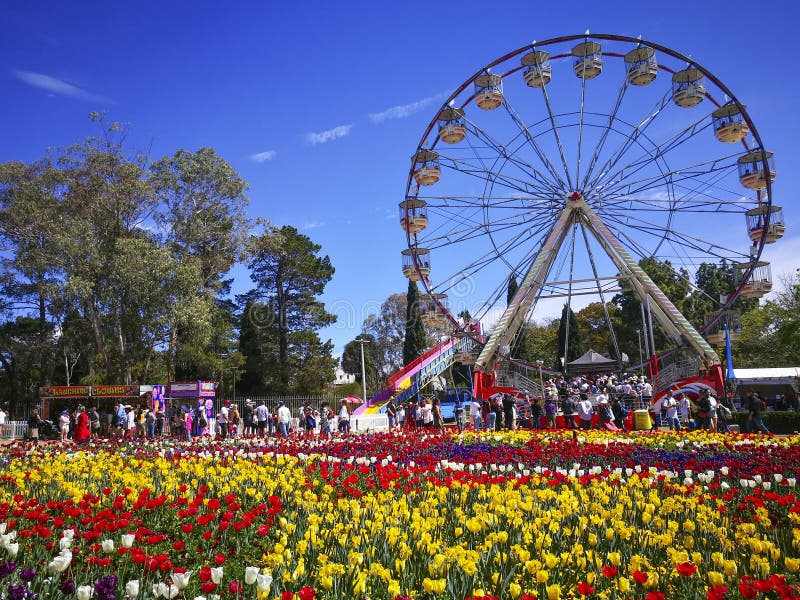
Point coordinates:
[[566, 162]]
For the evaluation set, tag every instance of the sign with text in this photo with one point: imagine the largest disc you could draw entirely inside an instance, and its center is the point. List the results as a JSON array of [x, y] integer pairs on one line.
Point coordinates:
[[192, 389]]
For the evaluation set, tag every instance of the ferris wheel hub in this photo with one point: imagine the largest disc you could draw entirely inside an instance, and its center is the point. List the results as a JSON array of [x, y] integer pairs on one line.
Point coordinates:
[[574, 200]]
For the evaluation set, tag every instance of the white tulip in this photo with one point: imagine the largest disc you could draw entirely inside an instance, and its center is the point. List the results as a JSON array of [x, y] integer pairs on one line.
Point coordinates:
[[250, 574], [132, 588], [181, 580], [108, 545], [12, 549], [127, 540], [778, 477], [200, 598], [59, 564], [790, 481], [84, 592], [263, 582]]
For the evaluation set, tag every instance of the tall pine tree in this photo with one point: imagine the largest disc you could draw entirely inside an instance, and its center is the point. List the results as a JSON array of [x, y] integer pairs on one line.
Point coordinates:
[[414, 342], [568, 343]]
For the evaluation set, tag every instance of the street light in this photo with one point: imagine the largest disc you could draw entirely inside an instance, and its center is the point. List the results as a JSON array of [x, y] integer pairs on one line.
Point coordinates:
[[541, 381], [361, 341]]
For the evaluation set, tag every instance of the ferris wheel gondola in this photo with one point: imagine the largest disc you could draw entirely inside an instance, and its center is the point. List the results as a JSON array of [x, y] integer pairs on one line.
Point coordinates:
[[568, 183]]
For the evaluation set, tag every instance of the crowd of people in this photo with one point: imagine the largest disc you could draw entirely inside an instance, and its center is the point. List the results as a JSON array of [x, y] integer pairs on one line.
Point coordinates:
[[580, 402]]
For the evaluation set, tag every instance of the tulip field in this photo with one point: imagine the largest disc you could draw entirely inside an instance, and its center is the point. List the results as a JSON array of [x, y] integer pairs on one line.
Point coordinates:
[[393, 516]]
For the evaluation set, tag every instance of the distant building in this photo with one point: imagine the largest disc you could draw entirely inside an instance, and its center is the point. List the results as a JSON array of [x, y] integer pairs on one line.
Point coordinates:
[[341, 378]]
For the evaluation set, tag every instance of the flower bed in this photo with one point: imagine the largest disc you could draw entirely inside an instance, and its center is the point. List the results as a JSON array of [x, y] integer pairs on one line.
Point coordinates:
[[393, 516]]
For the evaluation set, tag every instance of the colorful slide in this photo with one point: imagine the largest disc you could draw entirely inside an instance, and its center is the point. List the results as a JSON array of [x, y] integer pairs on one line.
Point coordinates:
[[408, 381]]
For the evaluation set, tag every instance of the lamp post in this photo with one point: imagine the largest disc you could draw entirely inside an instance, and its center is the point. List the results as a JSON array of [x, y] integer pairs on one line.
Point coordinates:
[[361, 341], [541, 380]]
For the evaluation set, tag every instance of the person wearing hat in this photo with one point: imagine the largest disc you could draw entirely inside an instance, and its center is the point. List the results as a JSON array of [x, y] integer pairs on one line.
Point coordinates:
[[63, 425], [247, 417]]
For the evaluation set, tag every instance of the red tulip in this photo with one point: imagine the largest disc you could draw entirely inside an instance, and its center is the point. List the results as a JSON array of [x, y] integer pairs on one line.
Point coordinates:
[[584, 589]]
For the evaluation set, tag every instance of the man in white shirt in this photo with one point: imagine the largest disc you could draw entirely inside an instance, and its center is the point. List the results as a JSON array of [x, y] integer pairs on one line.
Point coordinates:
[[260, 416], [476, 412], [585, 411], [223, 420], [284, 418], [2, 416], [671, 404]]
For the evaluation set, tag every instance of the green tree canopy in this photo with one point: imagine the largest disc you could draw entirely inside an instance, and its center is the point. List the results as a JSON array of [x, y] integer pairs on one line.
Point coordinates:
[[290, 276]]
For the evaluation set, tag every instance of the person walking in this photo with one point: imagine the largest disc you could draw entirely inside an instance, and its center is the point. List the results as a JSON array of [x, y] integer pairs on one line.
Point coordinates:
[[754, 410]]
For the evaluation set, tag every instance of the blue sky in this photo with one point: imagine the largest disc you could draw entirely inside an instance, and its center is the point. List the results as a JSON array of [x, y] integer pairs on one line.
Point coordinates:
[[319, 105]]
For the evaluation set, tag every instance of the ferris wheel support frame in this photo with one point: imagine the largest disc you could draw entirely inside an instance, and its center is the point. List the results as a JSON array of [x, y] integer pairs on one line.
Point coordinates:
[[524, 300]]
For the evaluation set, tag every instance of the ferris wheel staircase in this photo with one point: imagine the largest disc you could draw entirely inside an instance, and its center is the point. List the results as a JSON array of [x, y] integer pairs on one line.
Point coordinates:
[[406, 383]]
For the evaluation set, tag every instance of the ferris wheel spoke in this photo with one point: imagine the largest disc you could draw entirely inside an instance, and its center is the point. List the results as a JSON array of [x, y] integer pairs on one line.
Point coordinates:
[[701, 204], [657, 152], [531, 140], [532, 187], [654, 229], [606, 131], [580, 132], [556, 135], [486, 259], [689, 172], [498, 202], [473, 230], [633, 138], [550, 183]]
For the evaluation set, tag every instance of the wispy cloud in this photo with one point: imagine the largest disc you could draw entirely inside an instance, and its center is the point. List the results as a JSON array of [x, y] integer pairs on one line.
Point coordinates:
[[261, 157], [323, 137], [402, 111], [59, 87], [313, 225]]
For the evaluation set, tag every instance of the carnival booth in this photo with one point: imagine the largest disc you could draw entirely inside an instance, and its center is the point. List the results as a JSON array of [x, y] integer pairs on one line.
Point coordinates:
[[103, 397], [195, 395]]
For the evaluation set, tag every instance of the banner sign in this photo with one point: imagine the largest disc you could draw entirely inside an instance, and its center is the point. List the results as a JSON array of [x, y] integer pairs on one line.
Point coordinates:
[[86, 391], [64, 391], [192, 389], [115, 391]]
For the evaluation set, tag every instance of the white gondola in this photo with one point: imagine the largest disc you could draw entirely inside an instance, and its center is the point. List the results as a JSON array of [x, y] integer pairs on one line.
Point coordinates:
[[488, 91], [756, 217], [688, 87], [588, 61], [430, 313], [413, 215], [715, 334], [641, 65], [759, 283], [538, 72], [451, 125], [416, 262], [426, 167], [751, 169], [729, 124]]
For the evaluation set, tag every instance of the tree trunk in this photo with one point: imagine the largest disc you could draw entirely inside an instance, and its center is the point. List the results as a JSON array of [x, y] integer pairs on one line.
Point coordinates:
[[173, 340], [98, 335], [283, 329]]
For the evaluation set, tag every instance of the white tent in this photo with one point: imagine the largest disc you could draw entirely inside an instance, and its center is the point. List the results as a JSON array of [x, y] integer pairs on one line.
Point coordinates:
[[768, 376]]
